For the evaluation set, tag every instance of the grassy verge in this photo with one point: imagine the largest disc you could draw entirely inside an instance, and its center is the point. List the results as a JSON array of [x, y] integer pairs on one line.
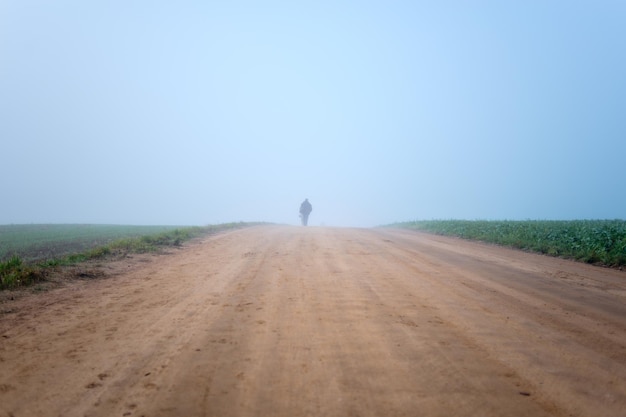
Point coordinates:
[[36, 242], [15, 272], [593, 241]]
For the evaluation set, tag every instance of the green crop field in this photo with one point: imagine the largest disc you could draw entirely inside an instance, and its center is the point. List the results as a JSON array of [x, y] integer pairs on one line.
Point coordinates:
[[592, 241], [49, 241]]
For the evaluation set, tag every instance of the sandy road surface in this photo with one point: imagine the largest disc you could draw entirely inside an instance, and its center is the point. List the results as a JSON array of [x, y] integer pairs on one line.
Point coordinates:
[[290, 321]]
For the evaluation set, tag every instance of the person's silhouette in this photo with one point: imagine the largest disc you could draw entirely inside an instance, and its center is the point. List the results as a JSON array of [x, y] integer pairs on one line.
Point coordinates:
[[305, 209]]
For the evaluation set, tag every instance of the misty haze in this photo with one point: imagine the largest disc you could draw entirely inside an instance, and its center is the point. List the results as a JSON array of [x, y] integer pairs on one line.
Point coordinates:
[[203, 113], [312, 208]]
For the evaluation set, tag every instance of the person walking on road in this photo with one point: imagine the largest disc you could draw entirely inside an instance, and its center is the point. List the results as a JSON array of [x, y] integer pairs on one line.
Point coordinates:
[[305, 210]]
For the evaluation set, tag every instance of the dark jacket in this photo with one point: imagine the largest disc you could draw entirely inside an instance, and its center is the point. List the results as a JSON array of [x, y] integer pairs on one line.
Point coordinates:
[[306, 208]]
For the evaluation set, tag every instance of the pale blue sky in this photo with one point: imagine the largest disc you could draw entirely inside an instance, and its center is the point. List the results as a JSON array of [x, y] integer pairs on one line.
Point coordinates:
[[197, 112]]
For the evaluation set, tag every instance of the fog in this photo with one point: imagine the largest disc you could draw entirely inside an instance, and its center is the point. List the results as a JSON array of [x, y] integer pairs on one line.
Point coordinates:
[[199, 112]]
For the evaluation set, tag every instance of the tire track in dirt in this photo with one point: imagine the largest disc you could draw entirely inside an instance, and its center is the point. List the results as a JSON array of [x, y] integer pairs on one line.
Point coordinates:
[[533, 322]]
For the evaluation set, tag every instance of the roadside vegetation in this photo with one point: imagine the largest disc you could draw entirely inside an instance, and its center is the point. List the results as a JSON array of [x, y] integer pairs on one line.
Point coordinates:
[[601, 242], [36, 242], [29, 253]]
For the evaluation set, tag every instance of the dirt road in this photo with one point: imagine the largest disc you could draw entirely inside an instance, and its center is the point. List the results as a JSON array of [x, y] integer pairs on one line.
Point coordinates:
[[293, 321]]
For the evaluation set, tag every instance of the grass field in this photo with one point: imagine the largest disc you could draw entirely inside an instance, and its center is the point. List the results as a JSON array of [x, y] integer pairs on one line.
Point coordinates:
[[592, 241], [49, 241], [29, 252]]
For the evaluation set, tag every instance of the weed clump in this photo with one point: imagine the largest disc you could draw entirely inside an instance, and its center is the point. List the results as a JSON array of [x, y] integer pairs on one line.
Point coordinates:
[[13, 274]]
